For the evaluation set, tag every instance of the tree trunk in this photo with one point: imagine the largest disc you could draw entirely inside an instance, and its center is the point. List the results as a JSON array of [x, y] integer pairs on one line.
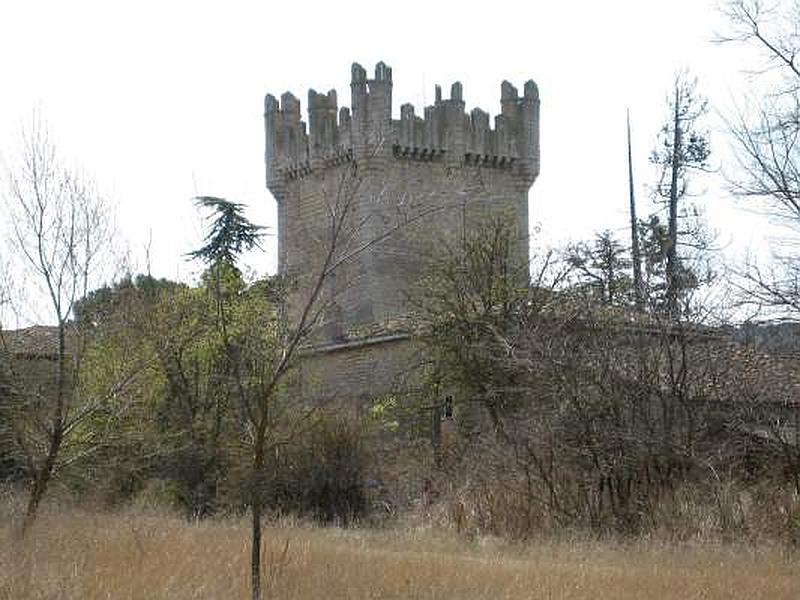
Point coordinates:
[[45, 473], [255, 508], [636, 255], [255, 554], [41, 481], [436, 433], [672, 242]]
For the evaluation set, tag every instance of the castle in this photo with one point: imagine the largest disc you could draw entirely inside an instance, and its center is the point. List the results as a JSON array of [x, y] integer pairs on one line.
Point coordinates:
[[411, 187]]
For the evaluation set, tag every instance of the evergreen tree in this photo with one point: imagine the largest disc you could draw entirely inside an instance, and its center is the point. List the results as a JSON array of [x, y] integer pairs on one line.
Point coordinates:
[[602, 268], [683, 148]]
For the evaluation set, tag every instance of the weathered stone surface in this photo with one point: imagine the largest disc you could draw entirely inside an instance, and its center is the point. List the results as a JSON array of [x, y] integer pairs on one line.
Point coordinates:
[[359, 371], [424, 181]]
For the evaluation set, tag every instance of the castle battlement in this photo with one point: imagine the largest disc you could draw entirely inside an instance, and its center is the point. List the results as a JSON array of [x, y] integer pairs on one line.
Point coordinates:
[[444, 133]]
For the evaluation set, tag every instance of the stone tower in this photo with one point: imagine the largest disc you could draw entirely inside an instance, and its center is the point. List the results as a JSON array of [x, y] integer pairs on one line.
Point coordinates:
[[422, 181]]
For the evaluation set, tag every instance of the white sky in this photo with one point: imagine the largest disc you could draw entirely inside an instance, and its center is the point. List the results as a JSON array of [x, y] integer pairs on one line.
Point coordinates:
[[161, 101]]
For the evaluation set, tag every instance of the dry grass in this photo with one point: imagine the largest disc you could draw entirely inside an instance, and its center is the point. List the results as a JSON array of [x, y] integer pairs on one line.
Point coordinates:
[[78, 555]]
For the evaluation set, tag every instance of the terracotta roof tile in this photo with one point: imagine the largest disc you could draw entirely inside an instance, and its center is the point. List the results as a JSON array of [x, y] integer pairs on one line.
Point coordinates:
[[38, 341]]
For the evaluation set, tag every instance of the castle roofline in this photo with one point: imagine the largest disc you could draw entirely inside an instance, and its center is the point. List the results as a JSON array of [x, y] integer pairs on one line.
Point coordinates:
[[294, 147]]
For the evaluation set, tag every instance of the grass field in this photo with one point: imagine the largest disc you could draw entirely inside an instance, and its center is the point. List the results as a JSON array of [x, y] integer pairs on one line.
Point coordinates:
[[134, 555]]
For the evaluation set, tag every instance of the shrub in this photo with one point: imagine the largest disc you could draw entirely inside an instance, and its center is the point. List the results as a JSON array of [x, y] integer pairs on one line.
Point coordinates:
[[320, 474]]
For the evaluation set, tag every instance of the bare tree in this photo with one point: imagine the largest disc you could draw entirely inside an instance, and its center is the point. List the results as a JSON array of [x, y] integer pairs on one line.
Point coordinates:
[[603, 421], [61, 229], [767, 136], [5, 286]]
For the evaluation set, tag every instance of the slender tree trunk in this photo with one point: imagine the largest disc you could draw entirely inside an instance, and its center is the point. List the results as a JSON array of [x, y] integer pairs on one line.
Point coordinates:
[[45, 473], [255, 508], [436, 432], [636, 254], [41, 481], [672, 242], [255, 552]]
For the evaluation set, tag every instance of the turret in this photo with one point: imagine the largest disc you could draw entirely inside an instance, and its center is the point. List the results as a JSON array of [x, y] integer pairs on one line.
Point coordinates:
[[322, 127], [395, 191], [372, 111], [529, 134]]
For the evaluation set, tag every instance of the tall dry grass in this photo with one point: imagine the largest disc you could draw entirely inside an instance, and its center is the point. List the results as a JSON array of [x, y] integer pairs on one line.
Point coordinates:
[[72, 554]]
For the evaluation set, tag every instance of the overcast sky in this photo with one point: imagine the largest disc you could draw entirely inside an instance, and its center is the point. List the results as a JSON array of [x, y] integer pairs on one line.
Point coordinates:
[[161, 101]]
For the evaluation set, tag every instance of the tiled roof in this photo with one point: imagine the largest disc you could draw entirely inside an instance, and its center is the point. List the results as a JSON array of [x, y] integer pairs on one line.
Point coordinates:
[[38, 341]]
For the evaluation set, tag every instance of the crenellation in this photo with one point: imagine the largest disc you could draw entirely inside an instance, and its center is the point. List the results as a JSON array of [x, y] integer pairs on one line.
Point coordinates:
[[457, 91], [366, 131], [358, 73], [419, 132], [501, 145], [383, 72], [345, 124], [290, 105], [454, 133], [431, 128], [508, 92], [322, 126], [531, 90], [287, 141], [479, 132], [408, 120], [270, 104]]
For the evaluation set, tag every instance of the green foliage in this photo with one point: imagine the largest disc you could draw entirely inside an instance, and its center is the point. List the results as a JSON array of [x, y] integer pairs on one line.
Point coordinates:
[[126, 302], [474, 305], [691, 271], [202, 416], [163, 380], [119, 389], [230, 233], [383, 413], [403, 417], [601, 268], [600, 417], [682, 146], [683, 149]]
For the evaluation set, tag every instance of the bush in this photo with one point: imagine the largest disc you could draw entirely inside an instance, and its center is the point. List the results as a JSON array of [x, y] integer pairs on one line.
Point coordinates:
[[321, 474]]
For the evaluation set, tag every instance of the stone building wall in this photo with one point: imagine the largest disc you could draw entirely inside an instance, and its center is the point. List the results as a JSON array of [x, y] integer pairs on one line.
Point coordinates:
[[411, 188], [358, 371], [29, 360]]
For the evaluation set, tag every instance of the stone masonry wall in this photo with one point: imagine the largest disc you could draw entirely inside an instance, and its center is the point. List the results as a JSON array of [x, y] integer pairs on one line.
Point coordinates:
[[415, 184], [355, 373]]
